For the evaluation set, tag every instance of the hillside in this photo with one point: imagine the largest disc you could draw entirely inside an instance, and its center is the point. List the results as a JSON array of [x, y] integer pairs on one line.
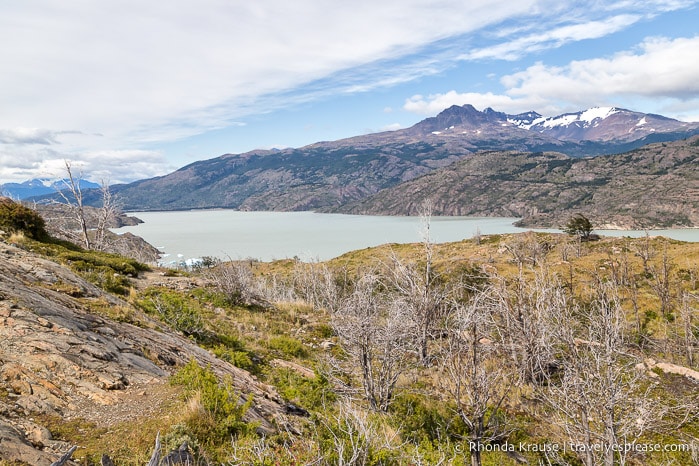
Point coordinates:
[[386, 355], [651, 187], [334, 173], [77, 357]]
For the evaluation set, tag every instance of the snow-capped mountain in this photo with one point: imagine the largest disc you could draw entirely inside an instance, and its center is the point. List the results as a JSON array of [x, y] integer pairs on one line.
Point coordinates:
[[597, 124], [600, 124], [39, 187]]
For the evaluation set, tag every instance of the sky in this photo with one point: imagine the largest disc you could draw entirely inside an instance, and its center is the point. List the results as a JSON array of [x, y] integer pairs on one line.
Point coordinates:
[[127, 89]]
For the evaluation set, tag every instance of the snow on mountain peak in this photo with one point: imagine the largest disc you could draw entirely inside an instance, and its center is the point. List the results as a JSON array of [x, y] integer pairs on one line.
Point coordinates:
[[592, 114], [585, 117]]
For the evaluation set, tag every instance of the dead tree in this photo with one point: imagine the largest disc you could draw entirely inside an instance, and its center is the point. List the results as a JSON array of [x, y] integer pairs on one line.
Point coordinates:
[[596, 400], [237, 282], [687, 328], [645, 251], [525, 309], [85, 225], [661, 282], [66, 456], [320, 286], [74, 200], [105, 217], [420, 289], [473, 373], [377, 338], [356, 435], [422, 294]]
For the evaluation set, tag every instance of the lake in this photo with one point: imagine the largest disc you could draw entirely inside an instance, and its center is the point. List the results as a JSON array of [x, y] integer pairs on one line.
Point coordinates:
[[186, 235]]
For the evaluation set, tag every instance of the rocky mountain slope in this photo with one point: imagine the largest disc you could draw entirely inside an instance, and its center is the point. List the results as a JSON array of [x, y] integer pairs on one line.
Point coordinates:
[[334, 173], [64, 352], [655, 186]]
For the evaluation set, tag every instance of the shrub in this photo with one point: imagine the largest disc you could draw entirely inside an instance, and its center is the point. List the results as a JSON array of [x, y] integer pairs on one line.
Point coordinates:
[[423, 419], [306, 392], [289, 346], [176, 311], [16, 218], [118, 264], [216, 408], [236, 357], [104, 277]]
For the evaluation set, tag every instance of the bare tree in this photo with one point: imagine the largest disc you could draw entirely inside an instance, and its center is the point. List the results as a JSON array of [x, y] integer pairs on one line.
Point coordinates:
[[377, 338], [422, 294], [356, 436], [526, 311], [687, 328], [420, 289], [74, 200], [473, 374], [662, 282], [105, 217], [527, 249], [80, 223], [596, 399], [319, 285], [236, 281], [645, 251]]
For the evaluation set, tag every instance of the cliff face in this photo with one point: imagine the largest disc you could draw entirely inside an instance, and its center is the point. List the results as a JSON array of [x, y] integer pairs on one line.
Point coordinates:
[[61, 354]]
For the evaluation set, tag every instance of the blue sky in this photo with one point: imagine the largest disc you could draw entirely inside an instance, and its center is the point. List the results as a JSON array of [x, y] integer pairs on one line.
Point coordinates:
[[129, 89]]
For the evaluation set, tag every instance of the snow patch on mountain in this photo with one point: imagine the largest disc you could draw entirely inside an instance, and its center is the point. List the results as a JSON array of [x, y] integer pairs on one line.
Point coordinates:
[[584, 118], [595, 113]]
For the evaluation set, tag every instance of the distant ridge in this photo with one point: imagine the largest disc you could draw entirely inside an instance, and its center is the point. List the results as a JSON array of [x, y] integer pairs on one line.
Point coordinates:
[[656, 186], [39, 187], [331, 174]]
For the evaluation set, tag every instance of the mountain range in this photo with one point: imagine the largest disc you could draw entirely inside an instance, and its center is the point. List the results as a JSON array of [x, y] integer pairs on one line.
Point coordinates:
[[332, 175], [39, 187]]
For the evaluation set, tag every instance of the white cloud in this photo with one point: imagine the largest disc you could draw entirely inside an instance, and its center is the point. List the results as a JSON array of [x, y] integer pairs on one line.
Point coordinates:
[[20, 163], [392, 127], [128, 67], [27, 136], [660, 68], [658, 76], [515, 49]]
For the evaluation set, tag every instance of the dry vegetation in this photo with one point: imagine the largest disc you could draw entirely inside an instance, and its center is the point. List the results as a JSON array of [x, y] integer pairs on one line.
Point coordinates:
[[498, 350], [456, 353]]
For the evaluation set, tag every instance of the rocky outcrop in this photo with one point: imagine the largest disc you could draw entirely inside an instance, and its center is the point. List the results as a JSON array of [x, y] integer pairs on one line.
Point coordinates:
[[61, 354]]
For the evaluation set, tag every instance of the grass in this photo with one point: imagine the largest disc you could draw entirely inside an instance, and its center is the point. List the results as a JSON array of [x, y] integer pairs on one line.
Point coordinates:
[[110, 272], [209, 412]]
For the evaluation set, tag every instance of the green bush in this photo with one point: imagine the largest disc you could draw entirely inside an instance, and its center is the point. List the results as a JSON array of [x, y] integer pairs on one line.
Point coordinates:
[[423, 419], [175, 310], [289, 346], [104, 277], [223, 406], [308, 393], [118, 264], [236, 357], [16, 218]]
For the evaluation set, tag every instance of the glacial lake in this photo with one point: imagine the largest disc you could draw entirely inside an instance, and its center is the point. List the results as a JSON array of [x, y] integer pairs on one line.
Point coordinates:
[[187, 235]]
